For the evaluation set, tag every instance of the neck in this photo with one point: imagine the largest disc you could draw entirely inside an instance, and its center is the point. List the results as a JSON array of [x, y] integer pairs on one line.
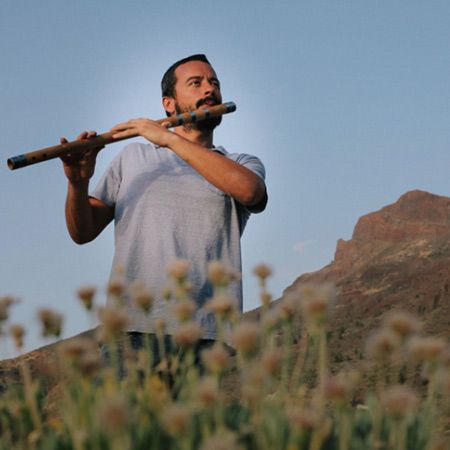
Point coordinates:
[[203, 138]]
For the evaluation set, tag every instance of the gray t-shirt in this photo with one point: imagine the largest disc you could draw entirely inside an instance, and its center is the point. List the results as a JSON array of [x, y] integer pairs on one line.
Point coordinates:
[[165, 210]]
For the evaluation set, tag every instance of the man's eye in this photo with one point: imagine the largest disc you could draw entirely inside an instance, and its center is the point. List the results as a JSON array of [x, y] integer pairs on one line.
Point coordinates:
[[195, 83]]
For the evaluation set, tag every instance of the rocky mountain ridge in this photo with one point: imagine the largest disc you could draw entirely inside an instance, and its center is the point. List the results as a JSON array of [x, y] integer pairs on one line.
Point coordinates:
[[398, 258]]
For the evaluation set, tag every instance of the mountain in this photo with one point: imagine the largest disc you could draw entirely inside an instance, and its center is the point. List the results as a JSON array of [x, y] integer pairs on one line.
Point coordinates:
[[398, 258]]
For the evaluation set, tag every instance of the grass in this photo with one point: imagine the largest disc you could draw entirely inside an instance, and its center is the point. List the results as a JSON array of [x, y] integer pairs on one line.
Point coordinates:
[[276, 392]]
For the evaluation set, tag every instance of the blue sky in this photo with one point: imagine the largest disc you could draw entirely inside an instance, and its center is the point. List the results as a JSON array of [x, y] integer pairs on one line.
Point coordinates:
[[345, 102]]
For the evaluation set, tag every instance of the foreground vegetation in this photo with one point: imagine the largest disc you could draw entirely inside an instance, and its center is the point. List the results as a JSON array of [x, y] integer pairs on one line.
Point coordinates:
[[275, 391]]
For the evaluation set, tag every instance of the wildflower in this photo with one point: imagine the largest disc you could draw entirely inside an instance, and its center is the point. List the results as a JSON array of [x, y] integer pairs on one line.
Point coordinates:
[[288, 307], [221, 440], [266, 298], [428, 349], [443, 381], [270, 320], [207, 392], [440, 443], [114, 320], [86, 296], [17, 333], [160, 325], [187, 334], [113, 414], [74, 348], [303, 419], [403, 324], [176, 418], [184, 309], [220, 275], [399, 401], [142, 297], [83, 355], [444, 358], [90, 363], [250, 394], [271, 361], [166, 294], [338, 389], [381, 344], [51, 322], [262, 271], [216, 359], [179, 269], [316, 301], [246, 336], [5, 303], [222, 305], [116, 287]]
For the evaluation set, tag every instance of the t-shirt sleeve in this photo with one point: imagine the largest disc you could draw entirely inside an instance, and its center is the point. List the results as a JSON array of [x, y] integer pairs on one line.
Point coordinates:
[[108, 186], [254, 164]]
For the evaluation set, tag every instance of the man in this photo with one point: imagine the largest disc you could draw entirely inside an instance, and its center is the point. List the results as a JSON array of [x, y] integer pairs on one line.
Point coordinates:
[[176, 197]]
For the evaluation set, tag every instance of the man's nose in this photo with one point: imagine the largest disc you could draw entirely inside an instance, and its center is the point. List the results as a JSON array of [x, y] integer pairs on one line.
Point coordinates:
[[208, 87]]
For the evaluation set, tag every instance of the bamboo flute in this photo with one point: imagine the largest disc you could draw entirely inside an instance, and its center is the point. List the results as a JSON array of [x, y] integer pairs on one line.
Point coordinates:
[[45, 154]]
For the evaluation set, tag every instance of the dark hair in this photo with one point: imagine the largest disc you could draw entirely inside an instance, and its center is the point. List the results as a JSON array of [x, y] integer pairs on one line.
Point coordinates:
[[168, 80]]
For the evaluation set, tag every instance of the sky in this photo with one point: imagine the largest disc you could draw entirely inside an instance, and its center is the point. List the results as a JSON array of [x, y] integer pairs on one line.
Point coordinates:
[[345, 102]]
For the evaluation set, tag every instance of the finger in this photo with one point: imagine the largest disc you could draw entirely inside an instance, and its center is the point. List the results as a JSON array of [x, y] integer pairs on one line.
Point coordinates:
[[121, 126], [166, 124], [71, 158], [125, 133], [91, 134], [83, 135]]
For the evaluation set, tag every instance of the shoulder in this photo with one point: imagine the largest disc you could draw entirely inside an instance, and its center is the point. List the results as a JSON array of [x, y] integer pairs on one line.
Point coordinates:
[[252, 162]]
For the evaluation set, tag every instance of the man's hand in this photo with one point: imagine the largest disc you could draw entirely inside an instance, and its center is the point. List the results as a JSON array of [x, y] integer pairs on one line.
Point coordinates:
[[153, 131], [79, 167]]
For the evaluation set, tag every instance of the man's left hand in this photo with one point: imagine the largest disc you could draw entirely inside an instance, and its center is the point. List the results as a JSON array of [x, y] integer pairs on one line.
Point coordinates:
[[153, 131]]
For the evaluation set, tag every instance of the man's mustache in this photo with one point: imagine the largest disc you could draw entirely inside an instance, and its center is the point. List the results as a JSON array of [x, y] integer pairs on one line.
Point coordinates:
[[212, 99]]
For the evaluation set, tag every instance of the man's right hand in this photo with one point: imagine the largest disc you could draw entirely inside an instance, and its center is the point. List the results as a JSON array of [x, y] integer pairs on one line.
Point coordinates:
[[79, 167]]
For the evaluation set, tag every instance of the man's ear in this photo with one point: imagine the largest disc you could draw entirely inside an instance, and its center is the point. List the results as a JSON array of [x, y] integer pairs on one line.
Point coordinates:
[[169, 105]]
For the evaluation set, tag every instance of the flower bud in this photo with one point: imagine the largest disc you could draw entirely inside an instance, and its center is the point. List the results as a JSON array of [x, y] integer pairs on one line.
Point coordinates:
[[176, 419], [399, 400], [51, 322], [187, 334], [246, 337], [179, 269], [17, 332], [86, 296]]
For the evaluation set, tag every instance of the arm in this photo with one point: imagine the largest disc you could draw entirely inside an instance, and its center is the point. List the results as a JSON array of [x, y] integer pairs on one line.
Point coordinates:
[[229, 176], [86, 217]]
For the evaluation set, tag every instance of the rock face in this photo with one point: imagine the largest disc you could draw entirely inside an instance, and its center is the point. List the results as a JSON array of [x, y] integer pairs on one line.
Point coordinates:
[[416, 215], [398, 257]]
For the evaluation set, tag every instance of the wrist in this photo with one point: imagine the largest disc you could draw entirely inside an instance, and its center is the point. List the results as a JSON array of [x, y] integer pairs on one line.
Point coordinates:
[[172, 139], [79, 186]]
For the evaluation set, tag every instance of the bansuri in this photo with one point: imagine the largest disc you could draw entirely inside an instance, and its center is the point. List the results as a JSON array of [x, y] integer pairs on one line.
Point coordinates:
[[37, 156]]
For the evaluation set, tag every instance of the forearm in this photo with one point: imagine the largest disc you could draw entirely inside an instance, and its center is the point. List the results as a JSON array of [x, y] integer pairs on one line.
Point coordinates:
[[229, 176], [79, 213]]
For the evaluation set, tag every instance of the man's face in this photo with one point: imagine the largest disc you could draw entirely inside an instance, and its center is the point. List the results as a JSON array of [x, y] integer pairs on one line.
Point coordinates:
[[197, 85]]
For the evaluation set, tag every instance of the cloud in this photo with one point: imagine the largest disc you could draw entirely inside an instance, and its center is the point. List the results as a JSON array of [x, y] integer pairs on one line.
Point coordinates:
[[300, 247]]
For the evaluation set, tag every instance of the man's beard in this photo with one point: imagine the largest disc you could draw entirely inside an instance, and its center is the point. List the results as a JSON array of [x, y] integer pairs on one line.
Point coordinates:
[[202, 125]]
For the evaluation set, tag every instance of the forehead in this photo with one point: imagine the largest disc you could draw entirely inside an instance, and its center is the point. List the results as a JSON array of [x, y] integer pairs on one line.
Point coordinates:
[[193, 69]]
